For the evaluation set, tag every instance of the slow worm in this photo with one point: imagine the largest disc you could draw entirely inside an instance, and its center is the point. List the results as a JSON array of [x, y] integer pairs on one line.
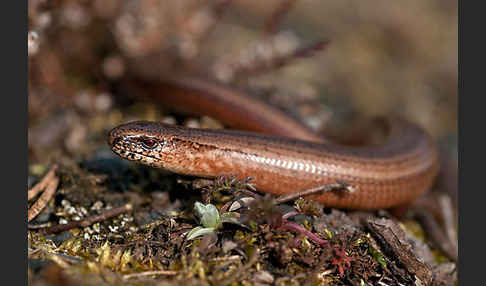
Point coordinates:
[[387, 175]]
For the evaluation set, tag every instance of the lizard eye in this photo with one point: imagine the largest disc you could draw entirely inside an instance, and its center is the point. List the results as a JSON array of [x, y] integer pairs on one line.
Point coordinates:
[[148, 143]]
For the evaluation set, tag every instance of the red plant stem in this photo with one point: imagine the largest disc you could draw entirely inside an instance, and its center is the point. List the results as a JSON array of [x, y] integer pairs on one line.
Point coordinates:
[[297, 227]]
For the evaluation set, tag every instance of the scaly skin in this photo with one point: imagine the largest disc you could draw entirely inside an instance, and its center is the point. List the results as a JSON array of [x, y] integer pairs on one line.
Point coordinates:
[[387, 175]]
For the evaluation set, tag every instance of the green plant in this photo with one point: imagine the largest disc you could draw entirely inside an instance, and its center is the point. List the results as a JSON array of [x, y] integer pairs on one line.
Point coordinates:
[[210, 220]]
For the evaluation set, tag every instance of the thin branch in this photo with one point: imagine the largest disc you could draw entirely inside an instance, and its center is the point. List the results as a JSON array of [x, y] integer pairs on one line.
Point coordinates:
[[218, 12], [38, 226], [150, 273], [42, 184], [338, 186], [226, 258], [448, 216], [435, 233], [260, 67], [46, 196], [275, 19], [88, 220]]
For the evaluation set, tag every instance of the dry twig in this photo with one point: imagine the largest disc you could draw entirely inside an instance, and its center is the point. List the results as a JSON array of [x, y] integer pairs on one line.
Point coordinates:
[[338, 186], [150, 273], [260, 67], [46, 196], [42, 184], [88, 220], [449, 218], [275, 19], [435, 234]]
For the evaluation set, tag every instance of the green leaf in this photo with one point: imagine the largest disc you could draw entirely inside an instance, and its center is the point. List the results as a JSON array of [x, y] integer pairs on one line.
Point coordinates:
[[208, 215], [377, 256], [199, 231]]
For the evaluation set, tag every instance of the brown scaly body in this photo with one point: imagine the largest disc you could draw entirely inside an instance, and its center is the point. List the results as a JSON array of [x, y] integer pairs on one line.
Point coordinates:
[[391, 174]]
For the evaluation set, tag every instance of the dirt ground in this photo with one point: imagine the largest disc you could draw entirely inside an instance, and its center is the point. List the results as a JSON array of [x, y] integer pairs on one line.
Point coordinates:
[[130, 223]]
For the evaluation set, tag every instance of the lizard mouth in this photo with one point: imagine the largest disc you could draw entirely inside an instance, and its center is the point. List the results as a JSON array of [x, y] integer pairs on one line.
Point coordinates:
[[129, 150]]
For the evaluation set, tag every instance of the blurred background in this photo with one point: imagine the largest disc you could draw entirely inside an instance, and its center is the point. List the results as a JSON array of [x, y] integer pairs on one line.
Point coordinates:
[[329, 61]]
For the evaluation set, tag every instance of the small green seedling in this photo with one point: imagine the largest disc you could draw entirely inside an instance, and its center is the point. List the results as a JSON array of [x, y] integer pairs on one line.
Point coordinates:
[[210, 219]]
